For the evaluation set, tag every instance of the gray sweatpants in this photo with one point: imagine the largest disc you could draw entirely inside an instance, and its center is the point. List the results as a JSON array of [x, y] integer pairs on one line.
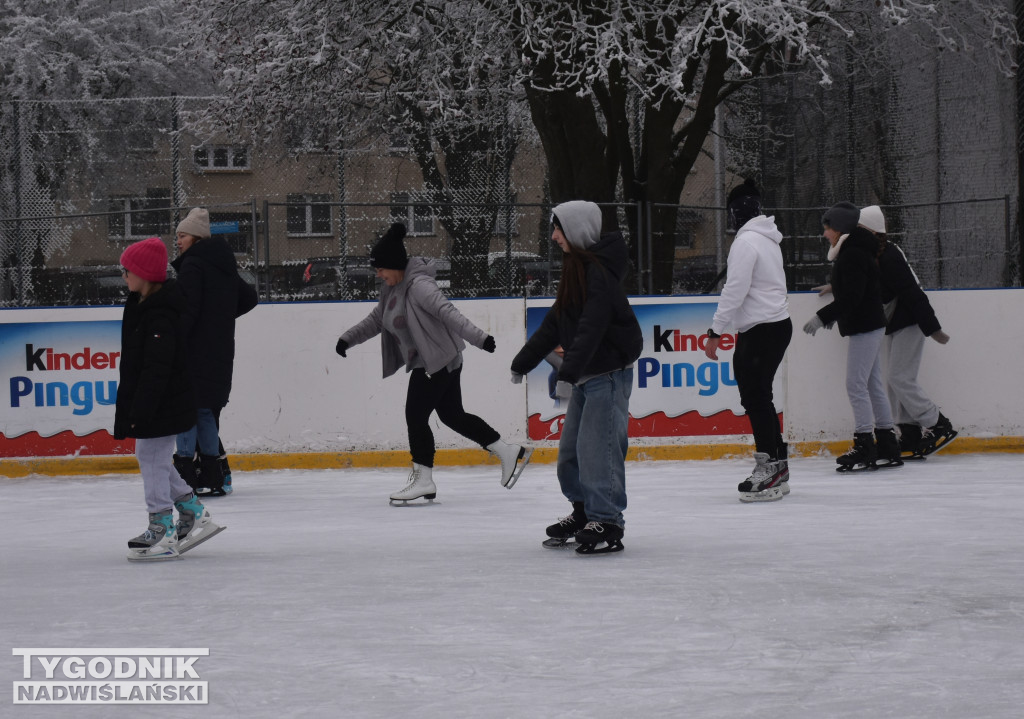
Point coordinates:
[[910, 405], [864, 383], [160, 479]]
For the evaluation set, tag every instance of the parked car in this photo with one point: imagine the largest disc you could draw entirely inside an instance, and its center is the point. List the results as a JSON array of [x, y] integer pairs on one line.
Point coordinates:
[[526, 275], [88, 285], [694, 275], [327, 278]]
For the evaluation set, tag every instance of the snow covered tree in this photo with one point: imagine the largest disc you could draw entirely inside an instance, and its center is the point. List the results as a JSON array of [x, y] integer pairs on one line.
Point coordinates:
[[349, 73], [623, 93]]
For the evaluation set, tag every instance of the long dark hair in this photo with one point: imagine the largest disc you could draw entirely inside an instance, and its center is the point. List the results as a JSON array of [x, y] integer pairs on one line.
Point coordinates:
[[572, 287]]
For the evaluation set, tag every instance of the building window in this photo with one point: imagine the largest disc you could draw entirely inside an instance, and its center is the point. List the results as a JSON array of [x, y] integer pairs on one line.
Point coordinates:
[[221, 157], [307, 218], [140, 216], [418, 219], [235, 228]]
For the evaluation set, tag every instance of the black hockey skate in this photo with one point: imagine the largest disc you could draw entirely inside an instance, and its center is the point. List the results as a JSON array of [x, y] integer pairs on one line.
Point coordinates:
[[562, 532], [861, 457], [887, 447], [937, 436], [910, 441], [599, 538]]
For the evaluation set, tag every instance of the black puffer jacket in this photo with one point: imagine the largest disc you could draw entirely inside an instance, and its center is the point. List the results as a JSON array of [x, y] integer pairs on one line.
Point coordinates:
[[857, 306], [900, 283], [154, 396], [603, 335], [215, 295]]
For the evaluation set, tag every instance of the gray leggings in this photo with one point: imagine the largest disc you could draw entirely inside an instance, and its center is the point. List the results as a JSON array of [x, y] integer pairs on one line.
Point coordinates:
[[160, 479], [865, 385]]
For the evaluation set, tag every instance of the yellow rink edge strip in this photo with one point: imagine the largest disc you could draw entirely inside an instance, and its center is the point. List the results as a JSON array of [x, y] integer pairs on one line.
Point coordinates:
[[126, 464]]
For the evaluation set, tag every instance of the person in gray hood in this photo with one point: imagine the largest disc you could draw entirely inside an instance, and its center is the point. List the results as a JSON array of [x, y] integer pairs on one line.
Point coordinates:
[[594, 324], [423, 331]]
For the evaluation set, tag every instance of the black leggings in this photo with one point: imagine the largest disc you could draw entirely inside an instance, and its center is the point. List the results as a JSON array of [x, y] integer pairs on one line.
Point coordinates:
[[759, 352], [441, 391]]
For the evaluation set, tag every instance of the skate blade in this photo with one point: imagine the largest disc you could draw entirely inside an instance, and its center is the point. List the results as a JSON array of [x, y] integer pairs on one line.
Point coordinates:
[[768, 495], [937, 447], [210, 531], [524, 459], [140, 555], [555, 543], [413, 502], [846, 468], [890, 464], [600, 548]]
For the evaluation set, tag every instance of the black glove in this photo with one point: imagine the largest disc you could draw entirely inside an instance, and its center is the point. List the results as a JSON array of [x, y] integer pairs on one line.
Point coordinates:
[[341, 347], [489, 345]]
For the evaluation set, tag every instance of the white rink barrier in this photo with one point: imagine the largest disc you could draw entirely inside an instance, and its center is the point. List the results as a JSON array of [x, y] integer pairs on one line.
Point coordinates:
[[293, 394]]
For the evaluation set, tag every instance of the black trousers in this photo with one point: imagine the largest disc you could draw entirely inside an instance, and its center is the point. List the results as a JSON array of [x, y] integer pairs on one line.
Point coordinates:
[[440, 392], [759, 352]]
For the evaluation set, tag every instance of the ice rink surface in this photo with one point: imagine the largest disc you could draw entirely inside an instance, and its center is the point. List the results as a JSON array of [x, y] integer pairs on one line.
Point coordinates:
[[898, 593]]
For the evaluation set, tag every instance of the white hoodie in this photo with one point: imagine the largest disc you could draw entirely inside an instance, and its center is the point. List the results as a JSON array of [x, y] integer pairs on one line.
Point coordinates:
[[755, 286]]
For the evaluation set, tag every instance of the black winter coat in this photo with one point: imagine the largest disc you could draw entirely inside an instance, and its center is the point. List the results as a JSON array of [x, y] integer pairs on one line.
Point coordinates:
[[857, 306], [899, 283], [215, 295], [601, 336], [154, 396]]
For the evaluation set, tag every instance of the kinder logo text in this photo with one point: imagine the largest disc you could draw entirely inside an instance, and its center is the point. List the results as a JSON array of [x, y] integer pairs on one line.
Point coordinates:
[[84, 395], [709, 376], [110, 676]]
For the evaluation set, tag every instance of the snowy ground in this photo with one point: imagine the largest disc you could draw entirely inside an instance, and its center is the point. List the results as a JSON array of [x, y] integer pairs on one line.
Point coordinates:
[[893, 594]]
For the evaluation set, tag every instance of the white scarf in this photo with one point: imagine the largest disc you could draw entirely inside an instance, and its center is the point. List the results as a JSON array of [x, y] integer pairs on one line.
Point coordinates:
[[833, 252]]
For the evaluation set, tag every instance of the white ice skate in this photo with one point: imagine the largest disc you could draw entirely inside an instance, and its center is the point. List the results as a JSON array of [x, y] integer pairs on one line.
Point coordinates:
[[158, 543], [514, 458], [420, 485]]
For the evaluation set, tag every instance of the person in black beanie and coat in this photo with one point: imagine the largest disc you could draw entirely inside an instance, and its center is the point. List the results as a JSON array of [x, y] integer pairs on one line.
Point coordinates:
[[215, 296], [420, 329], [857, 308]]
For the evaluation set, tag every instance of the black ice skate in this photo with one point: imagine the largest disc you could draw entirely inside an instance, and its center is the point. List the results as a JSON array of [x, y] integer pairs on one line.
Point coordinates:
[[563, 531], [937, 436], [910, 441], [888, 449], [861, 457], [599, 538]]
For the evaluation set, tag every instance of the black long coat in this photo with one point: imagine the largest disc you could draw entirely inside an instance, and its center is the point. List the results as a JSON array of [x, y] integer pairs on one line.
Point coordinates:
[[154, 396], [603, 335], [215, 296], [857, 306]]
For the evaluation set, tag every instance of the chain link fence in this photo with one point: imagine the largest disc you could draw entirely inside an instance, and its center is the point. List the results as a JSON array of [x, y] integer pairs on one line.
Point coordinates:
[[950, 245]]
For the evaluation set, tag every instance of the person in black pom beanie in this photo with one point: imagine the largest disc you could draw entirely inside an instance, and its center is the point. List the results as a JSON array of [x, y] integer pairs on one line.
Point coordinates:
[[754, 304], [420, 329]]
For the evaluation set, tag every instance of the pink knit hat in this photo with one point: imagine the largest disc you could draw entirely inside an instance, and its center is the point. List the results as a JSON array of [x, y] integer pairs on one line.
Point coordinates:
[[147, 259]]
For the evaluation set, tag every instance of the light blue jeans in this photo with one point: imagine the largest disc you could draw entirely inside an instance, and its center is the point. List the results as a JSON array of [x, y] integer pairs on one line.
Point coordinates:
[[592, 450], [205, 430]]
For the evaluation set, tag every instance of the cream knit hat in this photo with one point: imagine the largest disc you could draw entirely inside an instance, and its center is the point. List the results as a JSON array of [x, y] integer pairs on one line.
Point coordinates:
[[196, 223]]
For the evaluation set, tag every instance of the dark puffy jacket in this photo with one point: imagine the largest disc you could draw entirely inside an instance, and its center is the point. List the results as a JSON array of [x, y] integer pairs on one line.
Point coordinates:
[[857, 306], [154, 396], [899, 283], [600, 337], [214, 295]]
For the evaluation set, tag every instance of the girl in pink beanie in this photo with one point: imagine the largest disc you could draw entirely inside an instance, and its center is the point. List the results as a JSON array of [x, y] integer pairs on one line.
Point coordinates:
[[155, 402]]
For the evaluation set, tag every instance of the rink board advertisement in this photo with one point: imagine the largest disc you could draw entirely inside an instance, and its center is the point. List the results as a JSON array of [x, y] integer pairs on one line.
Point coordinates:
[[677, 390], [60, 386]]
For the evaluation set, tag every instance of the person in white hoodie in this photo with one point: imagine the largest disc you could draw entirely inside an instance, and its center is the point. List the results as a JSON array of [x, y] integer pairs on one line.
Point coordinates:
[[754, 303]]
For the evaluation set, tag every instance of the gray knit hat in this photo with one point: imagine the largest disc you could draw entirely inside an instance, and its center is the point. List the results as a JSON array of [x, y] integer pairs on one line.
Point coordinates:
[[841, 217], [196, 223]]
